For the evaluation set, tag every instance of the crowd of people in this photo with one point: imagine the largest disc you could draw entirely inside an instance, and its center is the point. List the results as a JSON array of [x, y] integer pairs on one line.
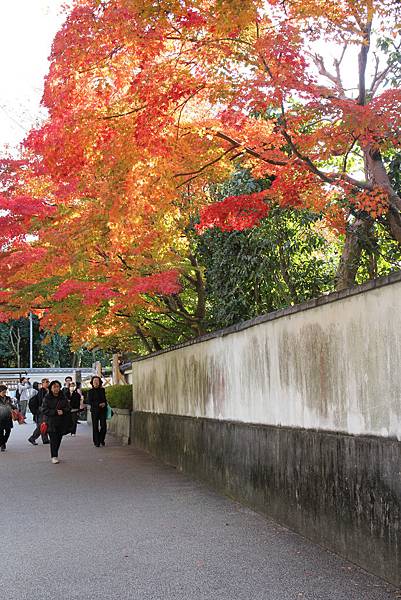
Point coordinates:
[[55, 410]]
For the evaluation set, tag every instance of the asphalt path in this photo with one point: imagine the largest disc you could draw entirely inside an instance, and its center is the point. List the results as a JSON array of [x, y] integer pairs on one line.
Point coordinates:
[[113, 523]]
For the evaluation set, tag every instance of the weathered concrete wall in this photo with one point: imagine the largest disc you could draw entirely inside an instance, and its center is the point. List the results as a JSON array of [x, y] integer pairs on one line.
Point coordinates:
[[120, 425], [298, 414], [336, 367], [341, 491]]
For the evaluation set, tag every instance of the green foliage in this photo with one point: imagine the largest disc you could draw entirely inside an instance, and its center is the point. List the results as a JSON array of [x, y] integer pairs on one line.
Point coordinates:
[[83, 357], [14, 343], [392, 51], [55, 350], [50, 349], [393, 164], [381, 254], [119, 396], [284, 261]]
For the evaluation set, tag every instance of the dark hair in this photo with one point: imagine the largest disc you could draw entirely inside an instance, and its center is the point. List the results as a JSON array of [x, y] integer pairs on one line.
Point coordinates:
[[68, 377], [22, 379], [3, 388], [35, 385], [51, 385], [96, 377]]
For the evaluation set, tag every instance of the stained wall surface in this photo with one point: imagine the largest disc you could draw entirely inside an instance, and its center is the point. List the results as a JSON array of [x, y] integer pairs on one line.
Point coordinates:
[[335, 367]]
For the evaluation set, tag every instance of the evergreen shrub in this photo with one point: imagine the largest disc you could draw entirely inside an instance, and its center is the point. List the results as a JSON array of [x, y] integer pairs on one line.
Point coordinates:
[[119, 396]]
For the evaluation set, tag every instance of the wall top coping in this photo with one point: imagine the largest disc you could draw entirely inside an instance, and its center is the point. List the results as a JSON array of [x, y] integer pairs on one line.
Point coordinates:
[[356, 290]]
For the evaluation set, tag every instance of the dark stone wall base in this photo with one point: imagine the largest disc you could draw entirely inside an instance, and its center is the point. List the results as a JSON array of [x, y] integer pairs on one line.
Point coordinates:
[[341, 491]]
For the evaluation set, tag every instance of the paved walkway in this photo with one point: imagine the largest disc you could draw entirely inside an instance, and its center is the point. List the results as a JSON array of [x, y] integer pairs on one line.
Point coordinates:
[[113, 523]]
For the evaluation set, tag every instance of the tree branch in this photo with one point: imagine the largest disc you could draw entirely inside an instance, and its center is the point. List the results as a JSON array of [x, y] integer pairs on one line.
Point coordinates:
[[336, 79], [118, 115], [362, 64], [203, 168], [237, 144]]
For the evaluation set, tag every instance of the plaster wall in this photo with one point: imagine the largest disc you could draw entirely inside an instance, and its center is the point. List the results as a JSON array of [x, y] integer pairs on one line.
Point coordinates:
[[334, 367]]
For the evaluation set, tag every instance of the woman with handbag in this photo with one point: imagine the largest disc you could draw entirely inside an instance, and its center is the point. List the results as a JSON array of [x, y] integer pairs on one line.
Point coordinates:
[[96, 399], [6, 420], [56, 413]]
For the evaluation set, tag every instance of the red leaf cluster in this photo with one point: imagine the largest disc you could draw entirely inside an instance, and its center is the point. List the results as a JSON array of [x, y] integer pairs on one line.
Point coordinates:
[[234, 213]]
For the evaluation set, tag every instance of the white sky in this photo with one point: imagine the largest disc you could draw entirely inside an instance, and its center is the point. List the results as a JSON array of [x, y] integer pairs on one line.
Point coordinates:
[[27, 29]]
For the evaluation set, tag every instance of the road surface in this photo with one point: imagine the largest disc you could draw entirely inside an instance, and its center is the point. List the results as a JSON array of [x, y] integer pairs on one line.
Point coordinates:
[[115, 524]]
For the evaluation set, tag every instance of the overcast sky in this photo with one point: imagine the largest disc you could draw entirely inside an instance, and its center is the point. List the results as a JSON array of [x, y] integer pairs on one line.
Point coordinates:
[[27, 28]]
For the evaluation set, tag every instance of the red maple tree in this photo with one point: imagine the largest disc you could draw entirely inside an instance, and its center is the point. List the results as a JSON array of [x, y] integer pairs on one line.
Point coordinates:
[[149, 104]]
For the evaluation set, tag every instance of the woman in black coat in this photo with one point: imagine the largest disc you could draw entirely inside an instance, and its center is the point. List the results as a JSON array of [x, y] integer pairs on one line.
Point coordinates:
[[6, 421], [56, 413], [96, 399], [74, 399]]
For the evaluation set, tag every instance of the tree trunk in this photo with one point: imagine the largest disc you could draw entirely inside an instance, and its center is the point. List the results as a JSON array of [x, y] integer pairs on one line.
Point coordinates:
[[118, 377], [15, 339], [76, 359], [144, 339], [379, 177], [357, 232]]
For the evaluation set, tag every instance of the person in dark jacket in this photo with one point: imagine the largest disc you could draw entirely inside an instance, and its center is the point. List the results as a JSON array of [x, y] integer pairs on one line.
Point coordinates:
[[35, 406], [6, 420], [66, 386], [56, 413], [96, 399], [74, 398]]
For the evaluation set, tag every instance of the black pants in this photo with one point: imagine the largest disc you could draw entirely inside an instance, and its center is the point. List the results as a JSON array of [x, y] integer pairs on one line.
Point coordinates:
[[74, 417], [99, 427], [55, 441], [4, 434], [36, 434]]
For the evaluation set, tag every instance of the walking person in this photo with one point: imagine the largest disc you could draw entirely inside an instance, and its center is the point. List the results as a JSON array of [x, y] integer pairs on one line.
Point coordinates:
[[96, 399], [66, 385], [25, 393], [82, 406], [6, 420], [57, 415], [35, 406], [74, 398]]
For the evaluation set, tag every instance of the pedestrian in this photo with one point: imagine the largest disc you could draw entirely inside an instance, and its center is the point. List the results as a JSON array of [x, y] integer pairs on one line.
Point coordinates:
[[6, 420], [74, 399], [25, 393], [66, 386], [96, 399], [57, 415], [35, 406], [82, 407]]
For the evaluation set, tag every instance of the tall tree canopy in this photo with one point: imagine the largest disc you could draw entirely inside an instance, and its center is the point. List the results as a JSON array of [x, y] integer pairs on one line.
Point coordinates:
[[150, 103]]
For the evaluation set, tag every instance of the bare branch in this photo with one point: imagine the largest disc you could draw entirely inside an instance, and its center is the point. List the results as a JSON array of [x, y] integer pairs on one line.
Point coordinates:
[[336, 79], [350, 149], [311, 165], [237, 144], [362, 64], [205, 166], [130, 112]]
